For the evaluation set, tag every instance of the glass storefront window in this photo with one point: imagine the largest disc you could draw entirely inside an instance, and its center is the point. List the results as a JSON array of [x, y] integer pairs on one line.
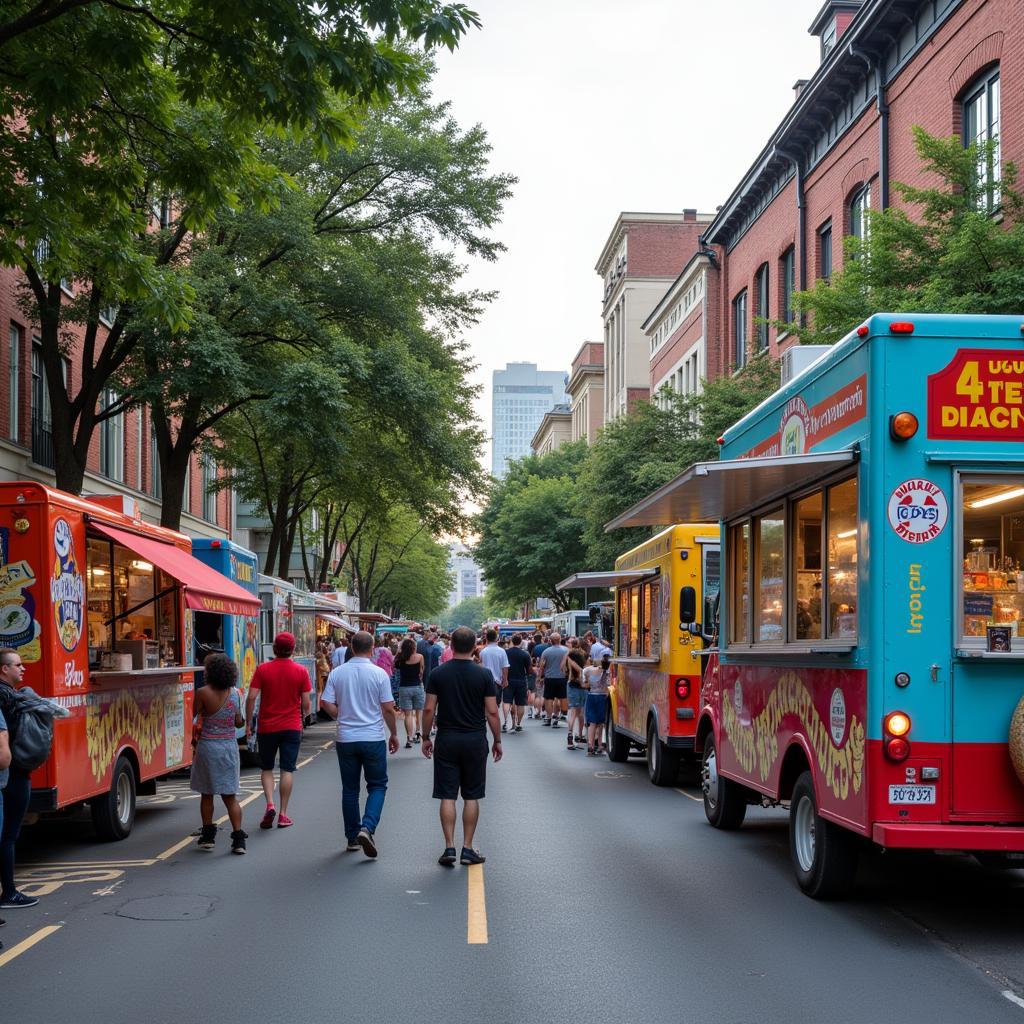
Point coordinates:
[[992, 604], [842, 560], [654, 619], [634, 620], [739, 605], [771, 530], [623, 644], [810, 519]]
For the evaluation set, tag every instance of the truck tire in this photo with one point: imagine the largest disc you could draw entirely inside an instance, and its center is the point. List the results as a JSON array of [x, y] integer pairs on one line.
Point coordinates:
[[824, 855], [662, 760], [113, 812], [618, 745], [725, 801]]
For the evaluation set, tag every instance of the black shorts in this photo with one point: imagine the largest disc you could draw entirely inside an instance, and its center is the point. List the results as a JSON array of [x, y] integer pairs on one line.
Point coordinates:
[[515, 693], [460, 763], [555, 689], [287, 742]]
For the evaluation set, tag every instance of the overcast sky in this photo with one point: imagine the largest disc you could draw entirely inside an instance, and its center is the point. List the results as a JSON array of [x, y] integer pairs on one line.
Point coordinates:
[[598, 107]]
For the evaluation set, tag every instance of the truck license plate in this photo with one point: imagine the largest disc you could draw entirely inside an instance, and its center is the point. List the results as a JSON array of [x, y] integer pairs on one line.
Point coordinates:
[[911, 794]]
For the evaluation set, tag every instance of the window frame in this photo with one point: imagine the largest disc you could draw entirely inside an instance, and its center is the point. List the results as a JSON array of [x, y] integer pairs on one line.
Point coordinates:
[[749, 628], [787, 282], [740, 338], [14, 345], [980, 89], [825, 239], [111, 453], [857, 207], [762, 282]]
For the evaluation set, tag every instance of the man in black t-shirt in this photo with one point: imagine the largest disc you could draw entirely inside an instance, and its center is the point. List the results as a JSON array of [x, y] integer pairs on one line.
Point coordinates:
[[464, 697], [519, 668]]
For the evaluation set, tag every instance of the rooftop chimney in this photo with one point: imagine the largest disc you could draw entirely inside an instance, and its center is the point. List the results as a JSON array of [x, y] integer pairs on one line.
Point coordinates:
[[689, 214]]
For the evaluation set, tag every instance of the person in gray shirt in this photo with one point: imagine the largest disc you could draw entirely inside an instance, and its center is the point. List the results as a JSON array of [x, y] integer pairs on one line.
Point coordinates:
[[552, 674]]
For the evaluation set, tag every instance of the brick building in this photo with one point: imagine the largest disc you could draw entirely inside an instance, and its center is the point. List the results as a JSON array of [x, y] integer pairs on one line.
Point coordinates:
[[586, 391], [122, 457], [640, 259], [886, 66]]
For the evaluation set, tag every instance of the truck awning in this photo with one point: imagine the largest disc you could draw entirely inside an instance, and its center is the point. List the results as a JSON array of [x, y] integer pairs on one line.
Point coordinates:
[[335, 620], [206, 590], [607, 578], [711, 491]]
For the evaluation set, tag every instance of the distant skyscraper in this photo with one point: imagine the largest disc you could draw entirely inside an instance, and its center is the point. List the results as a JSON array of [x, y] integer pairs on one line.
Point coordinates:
[[468, 577], [521, 394]]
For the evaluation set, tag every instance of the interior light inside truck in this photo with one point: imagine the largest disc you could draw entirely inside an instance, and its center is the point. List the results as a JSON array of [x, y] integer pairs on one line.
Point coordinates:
[[902, 426], [901, 327], [992, 499], [683, 689]]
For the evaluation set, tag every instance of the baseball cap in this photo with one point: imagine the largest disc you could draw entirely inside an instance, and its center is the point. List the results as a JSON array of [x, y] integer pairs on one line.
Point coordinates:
[[284, 642]]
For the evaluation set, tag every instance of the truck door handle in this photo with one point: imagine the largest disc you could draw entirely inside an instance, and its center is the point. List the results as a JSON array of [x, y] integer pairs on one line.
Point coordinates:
[[935, 673]]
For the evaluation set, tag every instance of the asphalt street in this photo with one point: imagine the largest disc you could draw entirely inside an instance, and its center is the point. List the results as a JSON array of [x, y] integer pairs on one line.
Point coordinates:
[[602, 898]]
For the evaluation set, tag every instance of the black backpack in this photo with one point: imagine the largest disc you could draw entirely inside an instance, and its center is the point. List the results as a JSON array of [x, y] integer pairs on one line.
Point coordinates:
[[30, 726]]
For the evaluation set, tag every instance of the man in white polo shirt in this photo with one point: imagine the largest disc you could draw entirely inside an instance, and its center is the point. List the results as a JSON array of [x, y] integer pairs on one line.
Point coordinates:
[[358, 694], [494, 658]]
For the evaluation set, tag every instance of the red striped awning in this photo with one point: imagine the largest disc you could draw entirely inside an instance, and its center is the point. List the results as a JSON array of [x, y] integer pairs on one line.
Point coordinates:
[[206, 590]]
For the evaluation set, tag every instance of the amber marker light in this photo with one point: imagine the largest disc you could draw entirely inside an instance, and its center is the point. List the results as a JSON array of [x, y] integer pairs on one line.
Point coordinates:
[[901, 327], [897, 723], [902, 426]]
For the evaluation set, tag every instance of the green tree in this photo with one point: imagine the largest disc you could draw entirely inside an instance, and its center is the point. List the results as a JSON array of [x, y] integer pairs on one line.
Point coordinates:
[[940, 251], [530, 529], [494, 608], [637, 453], [128, 126], [468, 612]]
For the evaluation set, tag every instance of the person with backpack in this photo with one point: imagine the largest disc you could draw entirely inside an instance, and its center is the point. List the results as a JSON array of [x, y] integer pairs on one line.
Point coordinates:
[[15, 795]]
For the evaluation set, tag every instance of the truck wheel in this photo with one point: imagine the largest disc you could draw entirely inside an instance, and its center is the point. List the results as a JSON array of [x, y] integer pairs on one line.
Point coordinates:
[[662, 760], [824, 855], [725, 802], [618, 745], [113, 813]]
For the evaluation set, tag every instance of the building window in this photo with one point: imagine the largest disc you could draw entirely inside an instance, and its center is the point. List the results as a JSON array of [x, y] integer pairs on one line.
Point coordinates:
[[860, 227], [739, 328], [980, 128], [42, 418], [13, 380], [186, 497], [825, 251], [763, 308], [209, 476], [786, 271], [155, 487], [111, 438]]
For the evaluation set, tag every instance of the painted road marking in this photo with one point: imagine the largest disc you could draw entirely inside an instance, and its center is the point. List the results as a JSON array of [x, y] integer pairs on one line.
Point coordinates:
[[476, 916], [1013, 997], [690, 796], [26, 944]]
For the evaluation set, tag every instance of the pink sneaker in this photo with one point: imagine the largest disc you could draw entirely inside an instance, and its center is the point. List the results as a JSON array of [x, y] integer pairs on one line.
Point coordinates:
[[283, 821], [268, 818]]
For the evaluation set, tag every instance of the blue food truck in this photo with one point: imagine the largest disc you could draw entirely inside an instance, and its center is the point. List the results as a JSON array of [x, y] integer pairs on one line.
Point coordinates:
[[869, 666], [235, 635]]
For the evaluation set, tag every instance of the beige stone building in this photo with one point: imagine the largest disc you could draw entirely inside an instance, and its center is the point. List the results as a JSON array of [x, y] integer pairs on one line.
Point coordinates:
[[586, 391], [555, 430]]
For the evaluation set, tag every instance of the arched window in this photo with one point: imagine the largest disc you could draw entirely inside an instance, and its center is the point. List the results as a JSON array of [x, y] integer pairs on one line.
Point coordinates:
[[980, 104], [860, 203]]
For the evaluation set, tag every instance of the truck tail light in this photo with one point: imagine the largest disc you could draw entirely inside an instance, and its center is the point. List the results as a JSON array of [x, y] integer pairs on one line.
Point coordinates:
[[902, 426], [897, 728], [683, 689]]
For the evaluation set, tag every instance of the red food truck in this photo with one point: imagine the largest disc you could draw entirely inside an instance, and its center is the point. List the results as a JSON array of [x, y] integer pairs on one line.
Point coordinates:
[[97, 603]]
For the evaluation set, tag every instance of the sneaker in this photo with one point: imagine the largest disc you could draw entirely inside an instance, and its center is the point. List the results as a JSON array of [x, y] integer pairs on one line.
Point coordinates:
[[238, 841], [504, 727], [18, 901], [570, 745], [581, 740], [365, 840], [352, 846], [591, 752], [545, 722], [471, 856], [417, 738], [207, 837], [447, 859], [268, 817], [408, 744], [554, 724], [283, 821], [518, 728]]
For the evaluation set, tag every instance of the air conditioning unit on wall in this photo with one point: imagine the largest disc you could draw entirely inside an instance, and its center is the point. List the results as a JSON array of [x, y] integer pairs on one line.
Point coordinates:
[[799, 358]]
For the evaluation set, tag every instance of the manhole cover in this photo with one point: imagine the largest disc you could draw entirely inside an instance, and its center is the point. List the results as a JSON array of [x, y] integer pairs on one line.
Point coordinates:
[[168, 908], [611, 775]]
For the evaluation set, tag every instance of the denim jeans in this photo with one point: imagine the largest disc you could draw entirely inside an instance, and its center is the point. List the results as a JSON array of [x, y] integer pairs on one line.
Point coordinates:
[[15, 797], [367, 758]]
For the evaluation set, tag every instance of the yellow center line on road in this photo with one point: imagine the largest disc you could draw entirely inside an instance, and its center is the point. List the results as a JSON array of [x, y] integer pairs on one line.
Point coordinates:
[[690, 796], [26, 944], [476, 915]]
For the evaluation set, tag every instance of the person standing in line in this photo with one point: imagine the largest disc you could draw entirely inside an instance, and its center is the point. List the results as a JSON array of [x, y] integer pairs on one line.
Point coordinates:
[[463, 696], [495, 660], [5, 764], [339, 652], [283, 687], [410, 665], [514, 695], [572, 667], [14, 797], [215, 766], [436, 650], [595, 682], [539, 647], [358, 695], [598, 649], [552, 675]]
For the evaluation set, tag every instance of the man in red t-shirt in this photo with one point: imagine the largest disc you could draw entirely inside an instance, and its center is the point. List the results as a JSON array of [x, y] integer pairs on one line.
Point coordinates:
[[284, 689]]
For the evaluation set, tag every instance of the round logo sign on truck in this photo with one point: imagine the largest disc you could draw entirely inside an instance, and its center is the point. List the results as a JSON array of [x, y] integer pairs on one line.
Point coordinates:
[[918, 511]]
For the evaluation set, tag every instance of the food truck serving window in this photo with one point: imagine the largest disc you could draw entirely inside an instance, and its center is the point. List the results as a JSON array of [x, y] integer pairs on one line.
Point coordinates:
[[992, 582], [640, 620], [793, 570]]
